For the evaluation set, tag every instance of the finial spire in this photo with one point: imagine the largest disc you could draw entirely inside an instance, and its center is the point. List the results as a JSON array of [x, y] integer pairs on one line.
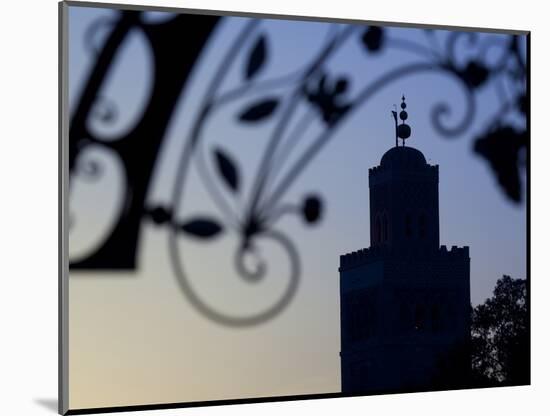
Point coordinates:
[[403, 131]]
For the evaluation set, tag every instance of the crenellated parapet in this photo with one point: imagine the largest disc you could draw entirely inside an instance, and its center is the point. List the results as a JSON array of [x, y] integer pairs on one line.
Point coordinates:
[[376, 253], [374, 170], [455, 253], [362, 256]]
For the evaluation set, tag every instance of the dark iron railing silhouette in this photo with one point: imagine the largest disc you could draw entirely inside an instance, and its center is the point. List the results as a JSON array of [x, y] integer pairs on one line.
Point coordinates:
[[328, 97]]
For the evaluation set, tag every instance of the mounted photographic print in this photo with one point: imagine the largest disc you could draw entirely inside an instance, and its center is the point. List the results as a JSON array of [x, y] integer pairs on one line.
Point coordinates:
[[259, 208]]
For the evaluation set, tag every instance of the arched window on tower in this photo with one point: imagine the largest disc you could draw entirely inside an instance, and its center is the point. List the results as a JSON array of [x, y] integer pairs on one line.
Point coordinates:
[[422, 224], [408, 225]]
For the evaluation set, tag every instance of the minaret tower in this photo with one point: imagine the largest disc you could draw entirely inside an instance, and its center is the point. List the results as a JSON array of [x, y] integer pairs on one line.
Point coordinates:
[[404, 200], [404, 300]]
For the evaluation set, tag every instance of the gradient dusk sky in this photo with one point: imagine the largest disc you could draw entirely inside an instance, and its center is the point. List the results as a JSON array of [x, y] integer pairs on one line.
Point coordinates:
[[134, 337]]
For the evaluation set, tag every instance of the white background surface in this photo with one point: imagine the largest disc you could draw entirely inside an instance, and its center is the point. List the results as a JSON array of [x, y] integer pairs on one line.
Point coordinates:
[[28, 201]]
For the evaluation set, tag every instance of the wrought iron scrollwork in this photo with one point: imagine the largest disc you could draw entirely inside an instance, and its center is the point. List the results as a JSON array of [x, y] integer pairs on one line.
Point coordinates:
[[328, 98]]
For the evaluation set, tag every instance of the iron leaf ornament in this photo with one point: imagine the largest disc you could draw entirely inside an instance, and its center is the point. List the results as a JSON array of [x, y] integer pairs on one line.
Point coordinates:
[[257, 58], [259, 110]]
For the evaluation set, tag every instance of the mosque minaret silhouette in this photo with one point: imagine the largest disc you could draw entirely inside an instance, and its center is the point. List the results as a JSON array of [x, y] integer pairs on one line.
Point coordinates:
[[405, 300]]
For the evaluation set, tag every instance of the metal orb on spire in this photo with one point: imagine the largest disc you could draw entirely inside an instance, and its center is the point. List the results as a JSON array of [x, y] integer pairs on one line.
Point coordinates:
[[403, 130]]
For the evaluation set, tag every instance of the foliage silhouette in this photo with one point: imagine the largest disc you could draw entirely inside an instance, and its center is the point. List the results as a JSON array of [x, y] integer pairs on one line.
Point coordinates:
[[499, 349], [500, 335]]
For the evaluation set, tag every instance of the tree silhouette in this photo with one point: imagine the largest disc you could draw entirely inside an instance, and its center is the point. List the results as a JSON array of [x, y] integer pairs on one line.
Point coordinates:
[[499, 348], [500, 336]]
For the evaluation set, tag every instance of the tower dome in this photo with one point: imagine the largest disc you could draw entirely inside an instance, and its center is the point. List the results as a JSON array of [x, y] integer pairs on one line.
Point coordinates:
[[403, 157]]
